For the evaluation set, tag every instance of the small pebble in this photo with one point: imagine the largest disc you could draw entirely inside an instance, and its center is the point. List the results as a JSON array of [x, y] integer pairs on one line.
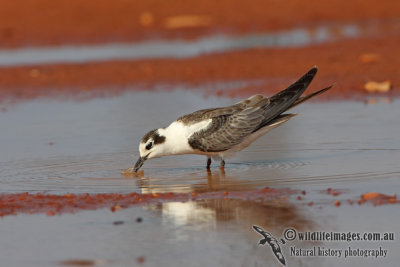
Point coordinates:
[[141, 260]]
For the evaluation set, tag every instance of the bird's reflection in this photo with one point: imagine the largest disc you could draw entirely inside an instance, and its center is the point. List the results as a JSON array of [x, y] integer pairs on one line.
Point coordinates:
[[275, 214]]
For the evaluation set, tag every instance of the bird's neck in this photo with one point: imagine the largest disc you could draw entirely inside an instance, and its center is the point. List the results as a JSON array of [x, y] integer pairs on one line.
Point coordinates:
[[177, 135]]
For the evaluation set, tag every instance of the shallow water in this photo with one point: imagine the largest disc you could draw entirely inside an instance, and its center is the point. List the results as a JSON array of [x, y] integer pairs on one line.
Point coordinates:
[[60, 147], [298, 37], [51, 145]]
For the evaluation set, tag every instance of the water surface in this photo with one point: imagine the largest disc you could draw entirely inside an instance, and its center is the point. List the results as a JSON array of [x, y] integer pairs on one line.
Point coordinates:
[[59, 147]]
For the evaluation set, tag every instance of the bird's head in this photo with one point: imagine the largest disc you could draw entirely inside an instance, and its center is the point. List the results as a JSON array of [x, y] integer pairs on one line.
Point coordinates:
[[151, 146]]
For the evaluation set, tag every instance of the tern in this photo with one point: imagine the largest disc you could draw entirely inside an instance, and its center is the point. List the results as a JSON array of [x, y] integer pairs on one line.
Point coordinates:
[[220, 132]]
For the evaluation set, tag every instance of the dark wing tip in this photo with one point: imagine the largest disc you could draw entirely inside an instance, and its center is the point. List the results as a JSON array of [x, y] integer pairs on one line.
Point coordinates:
[[285, 98], [314, 69], [299, 86], [308, 77]]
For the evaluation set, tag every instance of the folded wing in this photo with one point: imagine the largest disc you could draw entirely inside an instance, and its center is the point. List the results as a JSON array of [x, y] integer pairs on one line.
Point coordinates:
[[230, 125]]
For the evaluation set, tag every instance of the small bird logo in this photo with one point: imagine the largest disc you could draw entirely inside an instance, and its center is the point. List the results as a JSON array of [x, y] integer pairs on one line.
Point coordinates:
[[273, 242]]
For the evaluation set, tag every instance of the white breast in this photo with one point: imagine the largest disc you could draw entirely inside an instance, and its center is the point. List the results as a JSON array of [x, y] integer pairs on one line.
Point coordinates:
[[177, 135]]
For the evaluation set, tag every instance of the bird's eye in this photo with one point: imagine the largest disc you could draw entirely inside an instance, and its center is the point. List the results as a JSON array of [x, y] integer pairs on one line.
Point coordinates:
[[149, 145]]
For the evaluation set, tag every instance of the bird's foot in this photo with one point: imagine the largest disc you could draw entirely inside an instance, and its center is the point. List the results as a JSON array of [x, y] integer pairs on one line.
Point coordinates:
[[222, 166], [208, 163]]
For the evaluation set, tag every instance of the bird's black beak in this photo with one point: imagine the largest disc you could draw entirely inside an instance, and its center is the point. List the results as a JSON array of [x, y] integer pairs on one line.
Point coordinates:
[[139, 163]]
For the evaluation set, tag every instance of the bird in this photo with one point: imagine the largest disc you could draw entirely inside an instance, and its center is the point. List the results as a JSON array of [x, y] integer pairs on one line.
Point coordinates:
[[272, 242], [219, 133]]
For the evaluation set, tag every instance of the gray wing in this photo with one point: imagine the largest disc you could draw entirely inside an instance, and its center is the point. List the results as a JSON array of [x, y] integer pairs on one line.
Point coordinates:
[[230, 125], [226, 130], [214, 113]]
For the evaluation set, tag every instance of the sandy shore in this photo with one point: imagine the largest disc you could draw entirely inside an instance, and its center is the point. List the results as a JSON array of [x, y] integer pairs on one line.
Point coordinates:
[[344, 62], [46, 22], [339, 63]]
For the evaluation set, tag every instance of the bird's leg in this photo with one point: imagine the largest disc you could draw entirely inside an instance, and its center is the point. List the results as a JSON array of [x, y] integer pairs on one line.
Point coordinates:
[[208, 163], [222, 166], [222, 169]]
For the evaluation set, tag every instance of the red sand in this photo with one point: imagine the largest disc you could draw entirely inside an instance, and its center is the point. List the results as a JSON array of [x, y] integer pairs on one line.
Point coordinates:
[[378, 198], [54, 22], [13, 204], [338, 62]]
